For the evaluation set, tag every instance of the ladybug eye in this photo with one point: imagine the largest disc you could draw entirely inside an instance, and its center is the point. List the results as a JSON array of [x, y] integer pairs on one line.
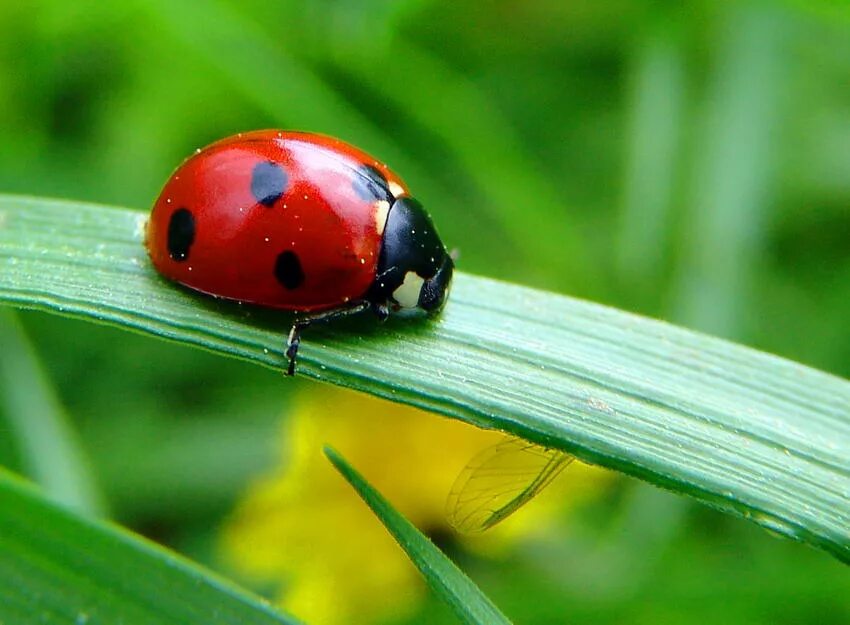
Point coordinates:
[[435, 291]]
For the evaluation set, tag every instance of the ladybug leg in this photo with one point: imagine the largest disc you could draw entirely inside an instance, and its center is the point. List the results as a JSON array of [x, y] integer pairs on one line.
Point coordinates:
[[293, 341], [382, 311]]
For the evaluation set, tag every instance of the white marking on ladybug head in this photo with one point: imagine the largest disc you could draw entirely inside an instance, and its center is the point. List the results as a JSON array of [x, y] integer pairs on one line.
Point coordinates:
[[382, 209], [407, 295], [395, 189]]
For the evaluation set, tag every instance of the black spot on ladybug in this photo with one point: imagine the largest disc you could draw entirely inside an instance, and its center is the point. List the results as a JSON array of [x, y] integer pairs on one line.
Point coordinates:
[[370, 184], [181, 234], [268, 182], [287, 270]]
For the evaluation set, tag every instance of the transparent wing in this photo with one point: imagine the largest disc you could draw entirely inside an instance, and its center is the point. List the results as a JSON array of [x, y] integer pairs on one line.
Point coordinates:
[[500, 480]]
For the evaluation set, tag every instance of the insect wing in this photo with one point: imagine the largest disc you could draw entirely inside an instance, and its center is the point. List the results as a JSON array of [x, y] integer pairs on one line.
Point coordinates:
[[500, 480]]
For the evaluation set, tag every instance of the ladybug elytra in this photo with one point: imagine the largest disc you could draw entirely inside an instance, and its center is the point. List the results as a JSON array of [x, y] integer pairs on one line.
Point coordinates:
[[299, 222]]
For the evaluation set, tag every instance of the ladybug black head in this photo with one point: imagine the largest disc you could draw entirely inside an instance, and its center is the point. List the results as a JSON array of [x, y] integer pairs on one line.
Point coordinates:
[[414, 269]]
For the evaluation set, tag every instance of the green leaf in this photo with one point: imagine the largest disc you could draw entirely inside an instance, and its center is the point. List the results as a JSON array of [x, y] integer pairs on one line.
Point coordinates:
[[49, 446], [448, 581], [57, 568], [730, 203], [746, 432]]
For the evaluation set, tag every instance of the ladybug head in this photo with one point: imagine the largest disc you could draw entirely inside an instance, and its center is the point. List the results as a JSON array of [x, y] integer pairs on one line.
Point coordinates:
[[414, 269]]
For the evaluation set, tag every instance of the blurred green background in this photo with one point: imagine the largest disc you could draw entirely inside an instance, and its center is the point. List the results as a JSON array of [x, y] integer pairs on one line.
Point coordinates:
[[689, 161]]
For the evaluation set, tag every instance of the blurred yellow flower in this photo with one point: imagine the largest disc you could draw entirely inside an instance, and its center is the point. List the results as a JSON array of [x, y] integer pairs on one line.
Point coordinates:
[[304, 530]]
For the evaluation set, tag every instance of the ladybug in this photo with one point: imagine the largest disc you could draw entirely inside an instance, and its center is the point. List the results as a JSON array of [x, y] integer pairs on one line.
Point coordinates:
[[299, 222]]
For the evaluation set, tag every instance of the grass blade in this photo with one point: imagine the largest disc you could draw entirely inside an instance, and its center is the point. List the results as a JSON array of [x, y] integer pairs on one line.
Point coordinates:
[[57, 568], [657, 103], [448, 581], [731, 196], [50, 451], [746, 432]]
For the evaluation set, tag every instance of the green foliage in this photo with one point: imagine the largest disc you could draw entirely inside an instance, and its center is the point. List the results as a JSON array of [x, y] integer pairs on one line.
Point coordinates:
[[749, 433], [59, 569], [442, 575], [48, 443], [687, 161]]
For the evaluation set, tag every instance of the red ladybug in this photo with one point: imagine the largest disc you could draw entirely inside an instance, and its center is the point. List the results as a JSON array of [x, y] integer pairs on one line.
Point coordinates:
[[300, 222]]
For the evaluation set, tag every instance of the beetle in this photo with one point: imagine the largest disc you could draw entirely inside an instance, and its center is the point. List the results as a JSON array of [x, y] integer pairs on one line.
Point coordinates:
[[300, 222]]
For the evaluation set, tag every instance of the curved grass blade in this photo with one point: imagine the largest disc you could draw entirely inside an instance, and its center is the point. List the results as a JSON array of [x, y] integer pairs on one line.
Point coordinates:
[[746, 432], [499, 481], [448, 581], [57, 568]]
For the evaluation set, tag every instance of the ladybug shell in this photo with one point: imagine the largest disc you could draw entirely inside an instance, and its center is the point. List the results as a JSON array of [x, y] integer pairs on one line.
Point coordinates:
[[287, 220]]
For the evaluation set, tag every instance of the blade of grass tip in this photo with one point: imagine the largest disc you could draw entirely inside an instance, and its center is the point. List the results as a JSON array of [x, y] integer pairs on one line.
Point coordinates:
[[58, 568], [449, 582], [47, 442]]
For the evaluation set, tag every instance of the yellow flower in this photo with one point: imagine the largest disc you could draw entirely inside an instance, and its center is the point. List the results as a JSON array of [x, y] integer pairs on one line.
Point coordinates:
[[302, 528]]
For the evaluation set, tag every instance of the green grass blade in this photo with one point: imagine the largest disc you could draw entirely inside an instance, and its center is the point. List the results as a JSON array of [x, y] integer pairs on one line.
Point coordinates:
[[48, 445], [657, 103], [57, 568], [731, 200], [750, 433], [448, 581]]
